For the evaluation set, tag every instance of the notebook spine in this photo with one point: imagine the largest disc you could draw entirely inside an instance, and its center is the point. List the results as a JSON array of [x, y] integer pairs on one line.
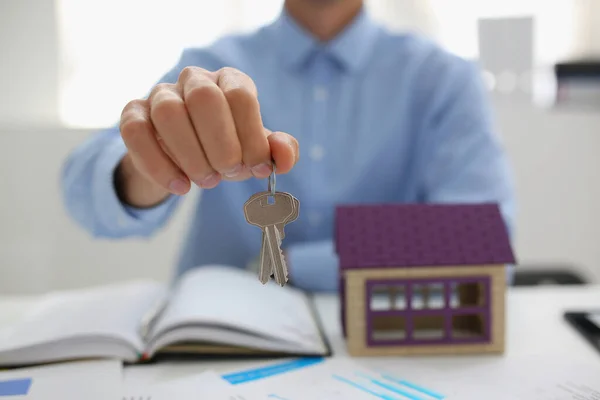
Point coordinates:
[[149, 319]]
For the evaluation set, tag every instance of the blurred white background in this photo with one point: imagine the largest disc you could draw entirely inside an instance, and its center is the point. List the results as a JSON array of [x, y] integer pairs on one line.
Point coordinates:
[[68, 67]]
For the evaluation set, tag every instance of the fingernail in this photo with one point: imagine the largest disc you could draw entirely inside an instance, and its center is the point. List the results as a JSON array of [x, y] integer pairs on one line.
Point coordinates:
[[210, 181], [261, 170], [235, 171], [178, 186]]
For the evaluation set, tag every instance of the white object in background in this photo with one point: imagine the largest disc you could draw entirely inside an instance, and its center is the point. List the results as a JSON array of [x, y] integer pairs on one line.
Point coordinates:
[[507, 51], [206, 385], [85, 380]]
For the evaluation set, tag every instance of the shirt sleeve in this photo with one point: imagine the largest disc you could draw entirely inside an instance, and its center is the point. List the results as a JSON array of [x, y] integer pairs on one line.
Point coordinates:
[[313, 266], [91, 197], [87, 179], [463, 157]]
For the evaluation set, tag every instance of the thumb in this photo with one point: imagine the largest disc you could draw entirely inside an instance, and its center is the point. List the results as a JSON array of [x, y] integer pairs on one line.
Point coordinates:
[[285, 151]]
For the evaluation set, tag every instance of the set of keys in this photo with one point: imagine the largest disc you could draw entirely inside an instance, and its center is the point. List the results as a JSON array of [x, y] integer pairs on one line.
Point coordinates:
[[271, 211]]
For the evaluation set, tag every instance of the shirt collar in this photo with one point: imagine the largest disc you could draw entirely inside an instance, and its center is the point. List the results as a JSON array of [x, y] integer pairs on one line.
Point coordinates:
[[351, 48]]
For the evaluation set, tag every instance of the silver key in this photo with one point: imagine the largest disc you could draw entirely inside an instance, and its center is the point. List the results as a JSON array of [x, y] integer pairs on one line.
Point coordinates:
[[267, 216], [265, 262], [265, 268]]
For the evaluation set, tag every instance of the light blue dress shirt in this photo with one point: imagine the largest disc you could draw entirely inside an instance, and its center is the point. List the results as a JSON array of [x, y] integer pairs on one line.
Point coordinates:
[[380, 117]]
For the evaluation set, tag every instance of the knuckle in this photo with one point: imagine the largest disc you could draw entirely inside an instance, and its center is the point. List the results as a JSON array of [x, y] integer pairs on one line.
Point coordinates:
[[167, 110], [202, 95], [163, 86], [190, 71], [132, 105], [241, 97], [133, 130], [230, 71], [234, 78], [159, 88]]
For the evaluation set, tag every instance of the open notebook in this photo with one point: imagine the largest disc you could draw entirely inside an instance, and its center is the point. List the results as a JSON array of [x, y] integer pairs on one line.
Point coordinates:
[[211, 310]]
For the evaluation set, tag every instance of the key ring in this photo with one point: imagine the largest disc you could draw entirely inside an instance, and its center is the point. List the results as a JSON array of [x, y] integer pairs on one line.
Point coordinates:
[[273, 179]]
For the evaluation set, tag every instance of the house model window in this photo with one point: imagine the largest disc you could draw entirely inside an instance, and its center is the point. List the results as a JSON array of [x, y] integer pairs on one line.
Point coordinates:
[[428, 310], [422, 279]]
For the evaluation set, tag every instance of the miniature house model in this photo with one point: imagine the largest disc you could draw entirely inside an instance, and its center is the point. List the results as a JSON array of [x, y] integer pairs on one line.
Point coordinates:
[[422, 279]]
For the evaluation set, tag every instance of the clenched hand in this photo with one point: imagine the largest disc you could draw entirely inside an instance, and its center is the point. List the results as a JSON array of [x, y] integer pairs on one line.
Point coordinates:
[[204, 128]]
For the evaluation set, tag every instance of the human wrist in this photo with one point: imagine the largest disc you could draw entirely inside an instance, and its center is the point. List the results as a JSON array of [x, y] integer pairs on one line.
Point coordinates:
[[135, 190]]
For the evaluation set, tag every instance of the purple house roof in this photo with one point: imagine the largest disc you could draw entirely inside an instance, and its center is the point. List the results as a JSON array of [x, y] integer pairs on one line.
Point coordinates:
[[413, 235]]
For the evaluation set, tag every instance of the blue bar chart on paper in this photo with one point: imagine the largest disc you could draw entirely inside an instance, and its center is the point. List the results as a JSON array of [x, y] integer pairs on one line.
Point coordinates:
[[332, 380], [15, 387], [388, 387]]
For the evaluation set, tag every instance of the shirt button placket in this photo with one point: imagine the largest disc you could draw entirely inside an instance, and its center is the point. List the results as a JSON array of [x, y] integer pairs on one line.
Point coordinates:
[[317, 148], [319, 104]]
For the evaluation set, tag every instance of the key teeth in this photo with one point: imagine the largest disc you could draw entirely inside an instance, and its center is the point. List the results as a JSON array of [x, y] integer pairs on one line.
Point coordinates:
[[285, 269], [285, 277]]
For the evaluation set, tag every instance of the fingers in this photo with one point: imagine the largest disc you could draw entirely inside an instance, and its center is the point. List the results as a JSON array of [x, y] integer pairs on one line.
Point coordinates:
[[284, 150], [146, 153], [205, 128], [170, 118], [212, 120], [241, 95]]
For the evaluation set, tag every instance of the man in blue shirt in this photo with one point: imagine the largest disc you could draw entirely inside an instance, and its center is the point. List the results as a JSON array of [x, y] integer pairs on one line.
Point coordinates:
[[349, 113]]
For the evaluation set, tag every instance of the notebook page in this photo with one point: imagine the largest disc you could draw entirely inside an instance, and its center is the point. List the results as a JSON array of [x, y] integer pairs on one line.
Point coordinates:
[[112, 310], [229, 296], [12, 312]]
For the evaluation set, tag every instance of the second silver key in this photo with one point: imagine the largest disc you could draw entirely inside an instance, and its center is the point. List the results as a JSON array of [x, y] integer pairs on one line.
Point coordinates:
[[266, 266], [267, 216], [265, 269]]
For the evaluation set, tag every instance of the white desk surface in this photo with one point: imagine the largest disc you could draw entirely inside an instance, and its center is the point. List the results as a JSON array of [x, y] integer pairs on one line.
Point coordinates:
[[549, 336], [535, 327]]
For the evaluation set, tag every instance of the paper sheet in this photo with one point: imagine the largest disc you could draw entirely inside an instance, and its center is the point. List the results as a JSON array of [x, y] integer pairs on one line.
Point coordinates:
[[205, 385], [89, 380], [337, 379], [514, 378], [327, 379]]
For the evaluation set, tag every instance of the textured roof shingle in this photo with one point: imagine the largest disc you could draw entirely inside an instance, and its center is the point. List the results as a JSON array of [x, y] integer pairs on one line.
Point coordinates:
[[409, 235]]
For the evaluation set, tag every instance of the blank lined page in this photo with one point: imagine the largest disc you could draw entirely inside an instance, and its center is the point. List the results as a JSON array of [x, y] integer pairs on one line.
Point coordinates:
[[233, 297], [112, 310]]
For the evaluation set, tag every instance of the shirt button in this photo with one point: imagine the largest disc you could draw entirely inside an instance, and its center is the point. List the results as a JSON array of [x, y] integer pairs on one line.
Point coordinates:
[[320, 93], [317, 152]]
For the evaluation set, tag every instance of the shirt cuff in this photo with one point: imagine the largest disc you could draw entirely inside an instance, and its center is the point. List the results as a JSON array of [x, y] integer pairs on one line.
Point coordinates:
[[118, 217], [313, 266]]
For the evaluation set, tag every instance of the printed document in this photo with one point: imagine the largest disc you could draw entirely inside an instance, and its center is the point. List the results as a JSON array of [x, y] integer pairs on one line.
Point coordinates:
[[89, 380]]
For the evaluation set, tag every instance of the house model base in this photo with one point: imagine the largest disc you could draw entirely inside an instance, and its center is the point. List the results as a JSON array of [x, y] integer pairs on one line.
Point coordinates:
[[422, 279]]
